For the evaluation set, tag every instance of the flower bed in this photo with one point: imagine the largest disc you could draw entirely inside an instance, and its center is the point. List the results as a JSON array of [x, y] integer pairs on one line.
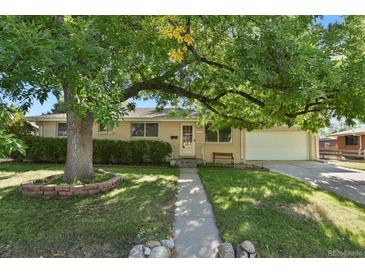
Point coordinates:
[[47, 191]]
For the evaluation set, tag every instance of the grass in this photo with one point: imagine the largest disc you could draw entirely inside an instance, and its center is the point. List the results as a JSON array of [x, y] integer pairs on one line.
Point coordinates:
[[106, 225], [58, 180], [282, 216], [12, 174], [217, 165], [353, 165]]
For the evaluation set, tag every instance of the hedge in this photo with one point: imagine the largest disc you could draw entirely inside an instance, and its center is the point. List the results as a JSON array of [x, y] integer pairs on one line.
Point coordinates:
[[53, 150]]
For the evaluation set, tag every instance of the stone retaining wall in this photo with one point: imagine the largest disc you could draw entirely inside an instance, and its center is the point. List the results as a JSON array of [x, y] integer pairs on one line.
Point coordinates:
[[64, 191]]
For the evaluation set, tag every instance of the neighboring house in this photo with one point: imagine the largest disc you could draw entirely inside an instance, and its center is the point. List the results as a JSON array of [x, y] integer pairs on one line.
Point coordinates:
[[328, 143], [189, 140], [21, 126], [353, 139]]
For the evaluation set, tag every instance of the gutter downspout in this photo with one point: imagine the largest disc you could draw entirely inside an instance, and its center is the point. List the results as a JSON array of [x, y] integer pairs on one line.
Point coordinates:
[[202, 151], [360, 148], [241, 141], [360, 142]]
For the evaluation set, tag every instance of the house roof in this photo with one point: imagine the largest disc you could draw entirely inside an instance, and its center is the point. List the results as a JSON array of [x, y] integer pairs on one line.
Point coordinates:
[[137, 114], [328, 139], [354, 131]]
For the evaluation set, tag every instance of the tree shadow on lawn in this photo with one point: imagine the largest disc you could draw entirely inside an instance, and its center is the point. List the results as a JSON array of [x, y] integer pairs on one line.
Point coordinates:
[[19, 167], [279, 217], [4, 177], [106, 225]]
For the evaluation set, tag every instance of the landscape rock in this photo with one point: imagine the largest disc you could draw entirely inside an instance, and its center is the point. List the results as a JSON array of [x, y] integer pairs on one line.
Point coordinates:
[[147, 251], [168, 243], [225, 250], [248, 246], [153, 243], [252, 255], [240, 253], [137, 252], [160, 252]]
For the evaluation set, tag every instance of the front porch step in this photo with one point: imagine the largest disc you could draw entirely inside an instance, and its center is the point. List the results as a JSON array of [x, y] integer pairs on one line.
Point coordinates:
[[187, 162]]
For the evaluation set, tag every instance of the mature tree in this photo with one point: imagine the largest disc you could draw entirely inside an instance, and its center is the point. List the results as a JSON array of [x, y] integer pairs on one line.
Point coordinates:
[[245, 71], [58, 107], [9, 143]]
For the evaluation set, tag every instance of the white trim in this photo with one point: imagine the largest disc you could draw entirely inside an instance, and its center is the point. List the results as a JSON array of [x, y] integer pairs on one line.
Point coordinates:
[[129, 119], [241, 145], [40, 130], [360, 143], [193, 139]]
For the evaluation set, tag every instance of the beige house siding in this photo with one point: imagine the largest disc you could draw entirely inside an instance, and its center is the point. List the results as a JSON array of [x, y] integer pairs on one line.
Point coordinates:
[[48, 129], [203, 150], [233, 147]]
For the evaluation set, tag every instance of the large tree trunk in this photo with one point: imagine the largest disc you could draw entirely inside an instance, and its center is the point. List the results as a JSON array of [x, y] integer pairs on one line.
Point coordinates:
[[79, 160]]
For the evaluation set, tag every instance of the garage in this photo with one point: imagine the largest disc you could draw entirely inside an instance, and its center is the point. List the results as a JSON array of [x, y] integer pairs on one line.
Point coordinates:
[[277, 145]]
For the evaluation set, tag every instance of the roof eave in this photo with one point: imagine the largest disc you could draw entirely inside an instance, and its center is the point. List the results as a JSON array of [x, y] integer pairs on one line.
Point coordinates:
[[43, 119], [348, 133]]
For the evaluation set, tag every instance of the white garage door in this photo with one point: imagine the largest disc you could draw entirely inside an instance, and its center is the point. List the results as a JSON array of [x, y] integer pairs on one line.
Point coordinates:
[[283, 145]]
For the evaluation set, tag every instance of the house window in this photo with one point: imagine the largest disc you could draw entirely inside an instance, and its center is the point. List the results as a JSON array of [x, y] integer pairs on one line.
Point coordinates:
[[152, 130], [327, 144], [104, 128], [62, 129], [351, 140], [144, 129], [220, 136]]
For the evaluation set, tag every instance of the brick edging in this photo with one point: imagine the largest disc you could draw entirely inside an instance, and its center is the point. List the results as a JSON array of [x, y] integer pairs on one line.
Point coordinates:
[[65, 191]]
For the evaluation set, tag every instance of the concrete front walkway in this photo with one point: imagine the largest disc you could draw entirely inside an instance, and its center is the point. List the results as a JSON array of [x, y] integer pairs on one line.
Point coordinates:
[[348, 183], [196, 234]]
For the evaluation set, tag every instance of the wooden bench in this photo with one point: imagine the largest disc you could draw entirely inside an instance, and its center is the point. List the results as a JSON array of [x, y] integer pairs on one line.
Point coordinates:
[[223, 156]]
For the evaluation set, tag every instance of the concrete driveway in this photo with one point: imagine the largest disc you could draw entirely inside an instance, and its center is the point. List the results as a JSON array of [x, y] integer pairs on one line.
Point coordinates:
[[346, 182]]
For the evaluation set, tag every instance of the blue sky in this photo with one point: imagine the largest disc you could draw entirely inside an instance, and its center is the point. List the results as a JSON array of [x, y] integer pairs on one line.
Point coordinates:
[[38, 109]]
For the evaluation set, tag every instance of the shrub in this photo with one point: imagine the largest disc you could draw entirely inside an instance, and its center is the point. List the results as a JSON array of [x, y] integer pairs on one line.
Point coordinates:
[[53, 150], [102, 150], [138, 151], [42, 149], [158, 150]]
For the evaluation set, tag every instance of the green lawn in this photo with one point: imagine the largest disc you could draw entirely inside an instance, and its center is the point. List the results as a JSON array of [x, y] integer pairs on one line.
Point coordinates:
[[354, 165], [58, 180], [107, 225], [282, 216]]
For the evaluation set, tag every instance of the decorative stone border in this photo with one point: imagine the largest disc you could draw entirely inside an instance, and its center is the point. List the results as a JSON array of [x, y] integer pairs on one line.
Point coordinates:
[[65, 191], [244, 250], [153, 249]]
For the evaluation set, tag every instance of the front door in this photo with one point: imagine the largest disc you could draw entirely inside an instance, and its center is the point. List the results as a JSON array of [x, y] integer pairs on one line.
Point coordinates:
[[187, 144]]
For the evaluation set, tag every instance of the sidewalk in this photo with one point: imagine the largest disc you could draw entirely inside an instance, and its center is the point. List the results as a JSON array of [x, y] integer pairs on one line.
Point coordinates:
[[196, 234]]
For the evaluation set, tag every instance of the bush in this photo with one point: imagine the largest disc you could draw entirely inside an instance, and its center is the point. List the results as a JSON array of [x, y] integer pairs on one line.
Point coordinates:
[[41, 149], [158, 150], [53, 150]]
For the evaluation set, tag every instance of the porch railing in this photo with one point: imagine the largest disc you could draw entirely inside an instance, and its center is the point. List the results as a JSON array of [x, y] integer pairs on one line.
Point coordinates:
[[340, 153]]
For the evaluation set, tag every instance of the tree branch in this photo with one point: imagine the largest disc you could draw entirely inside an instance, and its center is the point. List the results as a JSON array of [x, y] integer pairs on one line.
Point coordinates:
[[209, 103], [203, 59], [198, 56], [133, 90], [248, 97]]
